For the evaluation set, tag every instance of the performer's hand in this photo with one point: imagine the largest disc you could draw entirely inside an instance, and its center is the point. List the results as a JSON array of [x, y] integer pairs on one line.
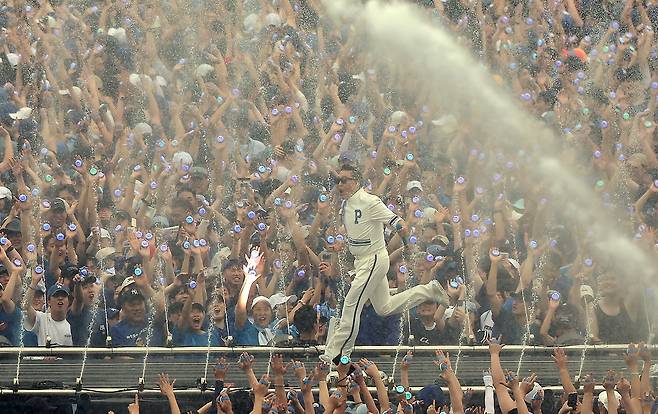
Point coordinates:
[[402, 228]]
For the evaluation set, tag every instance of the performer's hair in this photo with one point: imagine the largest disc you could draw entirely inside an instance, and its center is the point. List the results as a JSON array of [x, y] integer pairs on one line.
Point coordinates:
[[356, 173]]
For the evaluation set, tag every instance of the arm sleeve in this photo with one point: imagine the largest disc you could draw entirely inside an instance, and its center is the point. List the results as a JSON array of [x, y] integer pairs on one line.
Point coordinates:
[[378, 212]]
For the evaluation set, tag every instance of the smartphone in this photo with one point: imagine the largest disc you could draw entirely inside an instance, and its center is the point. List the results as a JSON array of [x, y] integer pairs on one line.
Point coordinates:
[[572, 400]]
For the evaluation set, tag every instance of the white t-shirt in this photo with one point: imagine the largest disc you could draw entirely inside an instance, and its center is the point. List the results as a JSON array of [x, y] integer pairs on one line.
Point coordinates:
[[364, 216], [44, 325]]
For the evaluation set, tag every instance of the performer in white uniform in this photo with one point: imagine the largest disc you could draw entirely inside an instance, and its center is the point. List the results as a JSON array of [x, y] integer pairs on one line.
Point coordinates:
[[364, 216]]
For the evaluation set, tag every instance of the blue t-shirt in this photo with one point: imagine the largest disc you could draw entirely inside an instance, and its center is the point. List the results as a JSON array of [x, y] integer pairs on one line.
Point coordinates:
[[185, 337], [126, 334], [378, 330], [10, 325], [79, 326], [248, 335]]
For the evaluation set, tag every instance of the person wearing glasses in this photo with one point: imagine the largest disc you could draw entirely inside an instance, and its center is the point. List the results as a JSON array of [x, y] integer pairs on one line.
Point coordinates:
[[364, 216]]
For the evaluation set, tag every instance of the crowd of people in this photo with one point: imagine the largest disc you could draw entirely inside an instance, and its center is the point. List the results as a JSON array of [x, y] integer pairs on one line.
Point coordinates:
[[350, 394], [149, 147]]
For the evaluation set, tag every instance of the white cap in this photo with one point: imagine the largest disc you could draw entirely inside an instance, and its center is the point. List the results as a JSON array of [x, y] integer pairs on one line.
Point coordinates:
[[251, 24], [398, 116], [514, 263], [182, 158], [603, 398], [142, 128], [414, 184], [5, 193], [22, 113], [13, 59], [104, 235], [447, 124], [127, 282], [204, 69], [160, 80], [134, 79], [259, 299], [279, 299], [105, 252], [118, 33], [273, 19], [536, 388]]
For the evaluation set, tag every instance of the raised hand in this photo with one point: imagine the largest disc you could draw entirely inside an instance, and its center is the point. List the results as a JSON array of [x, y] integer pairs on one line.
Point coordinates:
[[321, 371], [299, 368], [260, 389], [277, 365], [369, 367], [253, 260], [443, 362], [644, 352], [245, 361], [133, 407], [528, 383], [407, 359], [224, 403], [166, 386], [220, 369], [632, 357], [589, 383], [610, 380], [495, 346], [560, 358]]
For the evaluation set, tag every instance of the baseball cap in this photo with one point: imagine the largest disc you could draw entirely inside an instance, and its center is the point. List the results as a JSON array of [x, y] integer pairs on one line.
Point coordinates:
[[279, 299], [12, 226], [198, 172], [182, 158], [259, 299], [130, 294], [273, 19], [58, 204], [431, 393], [104, 235], [603, 398], [414, 184], [56, 289], [5, 193], [436, 250], [105, 252], [530, 396], [23, 113], [126, 283]]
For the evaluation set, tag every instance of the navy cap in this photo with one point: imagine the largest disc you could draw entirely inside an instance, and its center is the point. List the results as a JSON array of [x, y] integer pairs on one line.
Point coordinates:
[[54, 289], [11, 226], [129, 294], [431, 393]]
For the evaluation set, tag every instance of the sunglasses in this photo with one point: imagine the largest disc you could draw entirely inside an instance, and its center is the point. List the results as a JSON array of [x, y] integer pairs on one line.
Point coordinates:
[[344, 180]]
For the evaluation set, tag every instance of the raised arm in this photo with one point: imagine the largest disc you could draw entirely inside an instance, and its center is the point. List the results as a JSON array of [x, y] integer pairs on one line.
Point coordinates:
[[250, 276], [505, 402], [561, 361], [454, 388]]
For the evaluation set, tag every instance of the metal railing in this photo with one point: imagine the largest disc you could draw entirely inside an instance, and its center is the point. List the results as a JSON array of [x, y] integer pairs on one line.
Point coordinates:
[[294, 350]]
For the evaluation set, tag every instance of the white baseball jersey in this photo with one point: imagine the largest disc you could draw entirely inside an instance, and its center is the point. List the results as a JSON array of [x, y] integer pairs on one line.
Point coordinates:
[[364, 216]]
